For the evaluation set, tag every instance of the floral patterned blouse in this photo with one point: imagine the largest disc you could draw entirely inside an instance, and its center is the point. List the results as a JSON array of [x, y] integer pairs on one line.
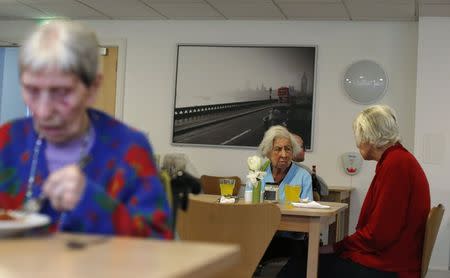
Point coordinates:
[[123, 195]]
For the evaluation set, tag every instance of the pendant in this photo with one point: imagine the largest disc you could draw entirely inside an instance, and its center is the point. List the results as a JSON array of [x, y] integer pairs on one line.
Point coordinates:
[[34, 205]]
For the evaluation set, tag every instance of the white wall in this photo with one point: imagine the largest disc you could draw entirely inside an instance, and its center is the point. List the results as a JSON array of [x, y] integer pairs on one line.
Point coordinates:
[[432, 134], [12, 105], [150, 82], [150, 76]]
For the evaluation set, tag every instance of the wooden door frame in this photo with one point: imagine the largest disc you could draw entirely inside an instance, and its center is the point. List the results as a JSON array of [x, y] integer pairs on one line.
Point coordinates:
[[121, 44]]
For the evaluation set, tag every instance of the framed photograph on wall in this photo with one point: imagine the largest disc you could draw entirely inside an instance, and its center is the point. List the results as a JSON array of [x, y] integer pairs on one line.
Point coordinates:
[[229, 95]]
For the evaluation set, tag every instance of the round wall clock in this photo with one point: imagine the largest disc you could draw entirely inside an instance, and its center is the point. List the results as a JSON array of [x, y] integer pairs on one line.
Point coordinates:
[[365, 82]]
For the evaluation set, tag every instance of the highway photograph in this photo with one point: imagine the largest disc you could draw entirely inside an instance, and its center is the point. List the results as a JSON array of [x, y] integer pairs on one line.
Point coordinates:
[[255, 88]]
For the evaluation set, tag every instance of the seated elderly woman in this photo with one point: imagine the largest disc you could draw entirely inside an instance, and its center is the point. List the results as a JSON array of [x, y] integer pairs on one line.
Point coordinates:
[[82, 168], [394, 213], [279, 145]]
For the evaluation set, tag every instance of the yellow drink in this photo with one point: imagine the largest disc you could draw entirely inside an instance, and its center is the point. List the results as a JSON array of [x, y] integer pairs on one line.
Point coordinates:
[[226, 187], [292, 192]]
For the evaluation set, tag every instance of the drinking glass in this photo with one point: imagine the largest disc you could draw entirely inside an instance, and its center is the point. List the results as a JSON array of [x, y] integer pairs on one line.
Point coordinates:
[[292, 192], [226, 187]]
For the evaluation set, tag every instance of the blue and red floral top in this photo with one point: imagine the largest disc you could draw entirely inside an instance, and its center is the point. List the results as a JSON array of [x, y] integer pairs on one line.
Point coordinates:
[[123, 195]]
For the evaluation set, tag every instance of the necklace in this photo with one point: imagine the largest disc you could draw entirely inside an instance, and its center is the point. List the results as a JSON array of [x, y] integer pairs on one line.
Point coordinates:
[[36, 150], [34, 204]]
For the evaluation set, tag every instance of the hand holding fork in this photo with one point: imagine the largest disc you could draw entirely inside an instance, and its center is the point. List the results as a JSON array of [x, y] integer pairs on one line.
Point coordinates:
[[63, 188]]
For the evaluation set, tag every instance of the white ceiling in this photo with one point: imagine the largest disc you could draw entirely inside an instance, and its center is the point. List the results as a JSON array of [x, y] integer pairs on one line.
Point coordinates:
[[373, 10]]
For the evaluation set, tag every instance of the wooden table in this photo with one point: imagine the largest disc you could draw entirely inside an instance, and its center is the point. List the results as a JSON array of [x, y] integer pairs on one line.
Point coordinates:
[[113, 257], [309, 221], [300, 220]]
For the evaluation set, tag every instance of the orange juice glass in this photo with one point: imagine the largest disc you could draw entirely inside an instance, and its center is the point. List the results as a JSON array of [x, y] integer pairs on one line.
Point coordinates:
[[226, 186], [292, 192]]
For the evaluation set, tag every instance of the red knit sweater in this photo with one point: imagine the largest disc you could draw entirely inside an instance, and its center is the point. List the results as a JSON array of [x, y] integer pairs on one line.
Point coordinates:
[[391, 226]]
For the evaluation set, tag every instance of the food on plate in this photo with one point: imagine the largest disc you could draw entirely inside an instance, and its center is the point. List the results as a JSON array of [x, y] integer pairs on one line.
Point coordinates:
[[4, 215]]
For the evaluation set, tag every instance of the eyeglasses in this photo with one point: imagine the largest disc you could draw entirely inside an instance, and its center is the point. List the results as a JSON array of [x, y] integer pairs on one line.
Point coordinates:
[[287, 149]]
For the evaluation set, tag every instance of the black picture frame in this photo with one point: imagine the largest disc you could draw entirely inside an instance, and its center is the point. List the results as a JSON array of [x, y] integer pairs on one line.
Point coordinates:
[[229, 95]]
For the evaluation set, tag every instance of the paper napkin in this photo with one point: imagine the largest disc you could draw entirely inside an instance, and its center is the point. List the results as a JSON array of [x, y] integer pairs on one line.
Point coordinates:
[[226, 200], [312, 204]]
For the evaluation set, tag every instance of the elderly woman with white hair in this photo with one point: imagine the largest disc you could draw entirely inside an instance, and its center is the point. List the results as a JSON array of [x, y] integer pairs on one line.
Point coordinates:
[[279, 146], [82, 168], [389, 234]]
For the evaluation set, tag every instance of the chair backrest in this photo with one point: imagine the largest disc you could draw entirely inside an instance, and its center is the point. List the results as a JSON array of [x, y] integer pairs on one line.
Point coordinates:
[[210, 184], [165, 179], [252, 226], [431, 231], [316, 196]]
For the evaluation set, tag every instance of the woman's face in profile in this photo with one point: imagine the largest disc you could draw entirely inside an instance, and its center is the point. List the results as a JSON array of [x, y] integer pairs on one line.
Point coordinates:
[[365, 149], [281, 154]]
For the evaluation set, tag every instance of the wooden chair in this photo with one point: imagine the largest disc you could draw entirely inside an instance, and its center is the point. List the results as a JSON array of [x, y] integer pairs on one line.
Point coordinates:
[[316, 196], [165, 179], [210, 184], [252, 226], [431, 231]]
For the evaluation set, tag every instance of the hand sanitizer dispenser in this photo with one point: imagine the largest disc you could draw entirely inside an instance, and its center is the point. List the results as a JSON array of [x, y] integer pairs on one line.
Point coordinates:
[[352, 163]]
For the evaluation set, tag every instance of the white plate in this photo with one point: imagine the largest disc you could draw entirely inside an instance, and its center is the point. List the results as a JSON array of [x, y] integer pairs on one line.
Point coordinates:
[[22, 223]]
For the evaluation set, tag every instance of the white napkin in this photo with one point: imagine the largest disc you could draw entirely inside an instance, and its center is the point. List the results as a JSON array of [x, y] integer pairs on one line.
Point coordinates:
[[226, 200], [312, 204]]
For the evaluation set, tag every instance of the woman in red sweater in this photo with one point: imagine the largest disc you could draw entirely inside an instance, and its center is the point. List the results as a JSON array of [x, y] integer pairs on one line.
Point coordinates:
[[389, 235]]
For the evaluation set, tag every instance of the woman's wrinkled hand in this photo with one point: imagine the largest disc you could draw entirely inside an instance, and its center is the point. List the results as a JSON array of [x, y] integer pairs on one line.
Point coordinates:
[[64, 187]]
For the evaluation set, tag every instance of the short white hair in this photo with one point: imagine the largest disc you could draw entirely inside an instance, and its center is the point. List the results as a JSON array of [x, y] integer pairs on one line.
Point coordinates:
[[65, 45], [275, 132], [377, 126]]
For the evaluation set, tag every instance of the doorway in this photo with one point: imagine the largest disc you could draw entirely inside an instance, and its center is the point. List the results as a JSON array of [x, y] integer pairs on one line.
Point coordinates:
[[106, 97]]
